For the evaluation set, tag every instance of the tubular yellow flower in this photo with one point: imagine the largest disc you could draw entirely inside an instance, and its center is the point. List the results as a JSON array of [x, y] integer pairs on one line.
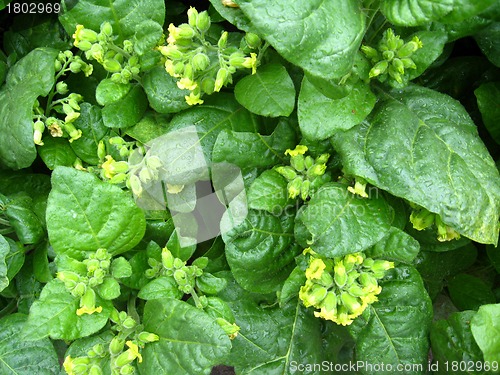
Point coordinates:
[[298, 150], [87, 310], [315, 269], [134, 350]]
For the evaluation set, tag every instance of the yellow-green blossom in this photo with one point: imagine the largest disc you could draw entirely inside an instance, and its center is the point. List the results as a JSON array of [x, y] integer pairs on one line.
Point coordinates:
[[298, 150]]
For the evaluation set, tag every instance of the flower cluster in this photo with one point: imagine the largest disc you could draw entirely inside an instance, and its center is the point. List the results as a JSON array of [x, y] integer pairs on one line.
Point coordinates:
[[121, 352], [391, 58], [97, 265], [422, 218], [343, 287], [201, 66], [68, 105], [306, 174], [120, 60]]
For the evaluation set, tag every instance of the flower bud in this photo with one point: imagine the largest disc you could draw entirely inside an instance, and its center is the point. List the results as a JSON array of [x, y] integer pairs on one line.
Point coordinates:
[[378, 69], [398, 65], [200, 61], [135, 185], [304, 189], [106, 29], [222, 43], [370, 52], [388, 55], [253, 40], [208, 85], [146, 337], [81, 33], [294, 187], [83, 45], [340, 275], [422, 219], [326, 279], [298, 162], [57, 65], [127, 370], [112, 66], [287, 172], [352, 304], [79, 290], [221, 79], [185, 31], [178, 263], [167, 259], [129, 323], [356, 290], [97, 52], [203, 21], [329, 303], [192, 14], [171, 51], [180, 277]]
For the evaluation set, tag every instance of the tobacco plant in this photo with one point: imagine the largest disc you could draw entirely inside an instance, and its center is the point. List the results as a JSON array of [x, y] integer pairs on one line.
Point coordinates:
[[287, 186]]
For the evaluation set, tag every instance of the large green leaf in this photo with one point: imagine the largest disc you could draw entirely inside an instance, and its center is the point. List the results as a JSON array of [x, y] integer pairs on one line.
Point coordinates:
[[124, 16], [261, 250], [320, 116], [485, 327], [163, 94], [127, 111], [84, 214], [4, 251], [488, 97], [464, 9], [19, 211], [232, 14], [54, 315], [396, 246], [29, 78], [336, 222], [21, 357], [57, 151], [415, 12], [469, 292], [268, 92], [395, 329], [422, 146], [272, 340], [488, 40], [269, 192], [322, 37], [250, 150], [191, 342], [452, 340]]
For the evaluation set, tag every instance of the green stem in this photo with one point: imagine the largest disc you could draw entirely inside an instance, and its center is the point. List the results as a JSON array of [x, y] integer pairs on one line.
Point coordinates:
[[131, 310], [196, 299], [119, 50], [10, 308]]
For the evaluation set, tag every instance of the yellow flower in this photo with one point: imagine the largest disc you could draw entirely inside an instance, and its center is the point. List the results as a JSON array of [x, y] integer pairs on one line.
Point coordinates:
[[134, 350], [68, 365], [298, 150], [107, 167], [86, 310], [315, 269], [251, 62], [186, 83], [192, 99], [173, 34]]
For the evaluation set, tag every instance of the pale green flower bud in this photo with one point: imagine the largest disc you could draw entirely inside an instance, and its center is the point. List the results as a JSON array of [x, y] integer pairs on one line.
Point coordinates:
[[370, 52], [340, 274], [298, 162], [398, 65], [222, 43], [304, 189], [294, 187], [378, 69], [185, 31], [422, 219], [180, 277], [200, 61], [287, 172], [112, 66], [129, 323], [106, 29], [192, 14], [208, 85], [84, 45], [171, 51], [135, 185], [203, 21], [167, 259], [148, 337], [388, 55], [253, 40], [221, 79], [352, 304]]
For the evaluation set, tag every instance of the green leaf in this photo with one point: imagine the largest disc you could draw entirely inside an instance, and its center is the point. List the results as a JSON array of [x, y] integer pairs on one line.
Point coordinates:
[[108, 91], [419, 144], [54, 315], [272, 340], [162, 287], [488, 97], [204, 341], [233, 15], [395, 329], [93, 130], [15, 258], [320, 116], [336, 222], [269, 92], [209, 284], [127, 111], [109, 289], [396, 246], [123, 16], [28, 227], [488, 40], [120, 268], [29, 78], [469, 292], [163, 94], [435, 267], [4, 252], [151, 126], [22, 357], [320, 37], [56, 151], [415, 12], [209, 119], [41, 268], [464, 9], [84, 214], [452, 340], [268, 192], [250, 149], [485, 326], [174, 245], [261, 250], [147, 35]]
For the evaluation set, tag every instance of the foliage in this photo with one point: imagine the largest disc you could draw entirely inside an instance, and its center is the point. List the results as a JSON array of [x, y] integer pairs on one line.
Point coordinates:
[[279, 186]]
